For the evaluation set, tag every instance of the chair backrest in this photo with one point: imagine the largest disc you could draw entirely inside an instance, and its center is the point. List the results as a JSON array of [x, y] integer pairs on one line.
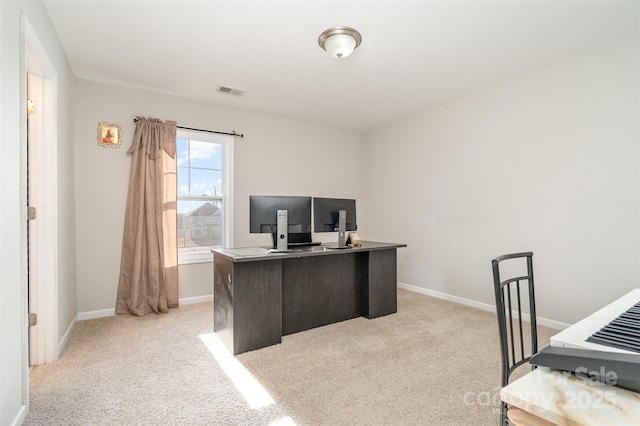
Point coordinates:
[[514, 290]]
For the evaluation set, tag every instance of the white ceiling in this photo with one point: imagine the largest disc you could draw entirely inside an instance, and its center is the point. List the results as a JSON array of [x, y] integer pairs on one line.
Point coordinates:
[[414, 54]]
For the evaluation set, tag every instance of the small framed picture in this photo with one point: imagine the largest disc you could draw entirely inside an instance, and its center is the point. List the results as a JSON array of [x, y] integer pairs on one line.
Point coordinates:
[[109, 134]]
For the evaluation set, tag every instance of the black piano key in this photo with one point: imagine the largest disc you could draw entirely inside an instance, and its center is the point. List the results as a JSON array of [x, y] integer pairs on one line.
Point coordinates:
[[623, 332]]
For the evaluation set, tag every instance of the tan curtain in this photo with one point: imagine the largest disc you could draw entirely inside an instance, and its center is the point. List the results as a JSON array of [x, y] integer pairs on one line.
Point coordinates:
[[149, 264]]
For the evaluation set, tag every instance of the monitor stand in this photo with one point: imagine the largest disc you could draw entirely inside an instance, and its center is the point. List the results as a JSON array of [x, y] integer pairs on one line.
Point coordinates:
[[342, 230], [282, 233]]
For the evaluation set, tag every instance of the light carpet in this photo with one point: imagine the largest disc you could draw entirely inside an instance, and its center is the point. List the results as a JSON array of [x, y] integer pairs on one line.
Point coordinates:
[[434, 362]]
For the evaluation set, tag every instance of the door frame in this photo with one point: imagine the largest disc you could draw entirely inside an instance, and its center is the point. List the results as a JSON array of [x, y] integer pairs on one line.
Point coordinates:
[[43, 238]]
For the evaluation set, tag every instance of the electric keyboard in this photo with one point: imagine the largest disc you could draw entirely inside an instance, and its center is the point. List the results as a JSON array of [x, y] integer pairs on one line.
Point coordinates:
[[588, 333]]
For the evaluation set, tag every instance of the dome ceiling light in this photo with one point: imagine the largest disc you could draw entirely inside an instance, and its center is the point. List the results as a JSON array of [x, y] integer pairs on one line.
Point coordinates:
[[340, 42]]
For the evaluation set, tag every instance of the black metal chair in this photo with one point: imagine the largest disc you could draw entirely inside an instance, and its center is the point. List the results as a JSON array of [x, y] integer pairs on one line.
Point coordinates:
[[513, 288]]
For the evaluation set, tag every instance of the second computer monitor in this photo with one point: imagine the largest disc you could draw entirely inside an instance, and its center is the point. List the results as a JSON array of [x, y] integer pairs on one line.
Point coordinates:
[[335, 215]]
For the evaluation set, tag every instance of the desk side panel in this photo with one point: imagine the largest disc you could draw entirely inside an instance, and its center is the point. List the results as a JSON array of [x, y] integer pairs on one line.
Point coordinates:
[[257, 299], [247, 303], [381, 297], [223, 299]]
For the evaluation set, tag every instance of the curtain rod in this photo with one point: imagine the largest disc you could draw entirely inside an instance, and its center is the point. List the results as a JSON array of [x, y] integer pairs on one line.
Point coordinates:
[[233, 132]]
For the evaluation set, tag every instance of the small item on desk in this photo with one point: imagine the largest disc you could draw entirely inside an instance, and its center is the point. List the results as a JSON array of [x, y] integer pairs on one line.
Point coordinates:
[[353, 240]]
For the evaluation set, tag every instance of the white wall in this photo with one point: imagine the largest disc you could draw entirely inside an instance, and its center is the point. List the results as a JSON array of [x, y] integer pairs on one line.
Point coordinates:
[[276, 156], [547, 162], [13, 313]]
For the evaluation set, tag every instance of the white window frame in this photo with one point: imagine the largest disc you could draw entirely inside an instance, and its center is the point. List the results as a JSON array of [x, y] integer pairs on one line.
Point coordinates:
[[227, 190]]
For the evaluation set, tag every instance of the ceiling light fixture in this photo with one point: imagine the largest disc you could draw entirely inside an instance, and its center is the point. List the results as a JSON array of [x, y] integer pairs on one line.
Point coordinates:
[[340, 42]]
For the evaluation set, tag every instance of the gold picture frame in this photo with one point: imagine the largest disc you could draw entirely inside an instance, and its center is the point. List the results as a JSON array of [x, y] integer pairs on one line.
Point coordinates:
[[109, 134]]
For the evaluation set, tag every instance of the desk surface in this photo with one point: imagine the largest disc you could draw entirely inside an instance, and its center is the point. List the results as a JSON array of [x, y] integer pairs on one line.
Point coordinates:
[[251, 254], [563, 398]]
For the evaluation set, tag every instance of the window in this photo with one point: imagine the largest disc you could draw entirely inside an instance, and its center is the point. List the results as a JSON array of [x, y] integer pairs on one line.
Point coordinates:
[[204, 194]]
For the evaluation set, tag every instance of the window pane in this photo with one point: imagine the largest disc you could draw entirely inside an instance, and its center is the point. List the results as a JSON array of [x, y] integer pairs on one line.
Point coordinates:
[[206, 155], [182, 152], [199, 224], [206, 182], [183, 181]]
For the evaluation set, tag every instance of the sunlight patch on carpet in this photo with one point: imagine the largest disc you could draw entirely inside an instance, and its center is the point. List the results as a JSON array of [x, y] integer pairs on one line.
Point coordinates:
[[256, 396], [285, 421]]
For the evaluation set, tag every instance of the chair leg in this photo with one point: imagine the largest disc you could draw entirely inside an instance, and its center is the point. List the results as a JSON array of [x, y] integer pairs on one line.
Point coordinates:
[[503, 414]]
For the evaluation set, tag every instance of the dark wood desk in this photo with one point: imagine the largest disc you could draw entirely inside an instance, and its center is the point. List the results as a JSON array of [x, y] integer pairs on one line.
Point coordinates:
[[261, 296]]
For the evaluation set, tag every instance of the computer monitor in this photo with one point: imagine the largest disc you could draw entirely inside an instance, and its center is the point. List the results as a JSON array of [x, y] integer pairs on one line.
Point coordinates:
[[335, 215], [266, 216]]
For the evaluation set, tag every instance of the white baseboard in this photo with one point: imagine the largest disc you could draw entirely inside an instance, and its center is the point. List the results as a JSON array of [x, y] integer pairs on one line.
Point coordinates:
[[20, 416], [196, 299], [209, 298], [102, 313], [65, 338], [556, 325], [468, 302]]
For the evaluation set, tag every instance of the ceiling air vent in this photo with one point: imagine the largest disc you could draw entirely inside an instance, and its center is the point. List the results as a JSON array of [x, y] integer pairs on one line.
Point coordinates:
[[230, 91]]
